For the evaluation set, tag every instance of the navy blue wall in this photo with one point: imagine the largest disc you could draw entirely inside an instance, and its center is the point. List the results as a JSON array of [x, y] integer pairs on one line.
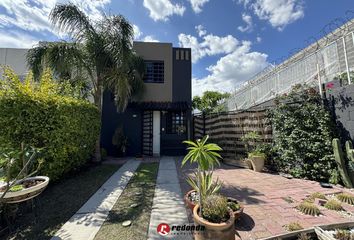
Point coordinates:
[[131, 122], [182, 75]]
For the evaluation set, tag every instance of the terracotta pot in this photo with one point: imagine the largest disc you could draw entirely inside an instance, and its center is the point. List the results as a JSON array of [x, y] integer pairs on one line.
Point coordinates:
[[189, 203], [212, 231], [257, 163], [239, 212], [27, 193]]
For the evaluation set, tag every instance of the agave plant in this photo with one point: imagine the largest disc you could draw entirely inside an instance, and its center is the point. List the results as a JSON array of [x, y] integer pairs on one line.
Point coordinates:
[[206, 156], [207, 186]]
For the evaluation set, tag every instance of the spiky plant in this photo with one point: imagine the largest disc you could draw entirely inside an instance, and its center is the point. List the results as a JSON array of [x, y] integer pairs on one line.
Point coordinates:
[[309, 208], [293, 226], [343, 234], [333, 205], [315, 195], [303, 236], [346, 198]]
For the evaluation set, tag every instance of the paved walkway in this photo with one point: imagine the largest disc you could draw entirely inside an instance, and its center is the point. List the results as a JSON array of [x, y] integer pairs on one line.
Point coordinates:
[[266, 211], [86, 222], [168, 206]]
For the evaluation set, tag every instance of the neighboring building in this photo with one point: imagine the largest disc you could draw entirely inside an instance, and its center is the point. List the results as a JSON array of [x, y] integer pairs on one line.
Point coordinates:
[[156, 123], [315, 65]]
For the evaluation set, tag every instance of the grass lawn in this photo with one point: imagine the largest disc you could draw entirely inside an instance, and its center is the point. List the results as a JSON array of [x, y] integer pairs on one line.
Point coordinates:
[[59, 202], [140, 190]]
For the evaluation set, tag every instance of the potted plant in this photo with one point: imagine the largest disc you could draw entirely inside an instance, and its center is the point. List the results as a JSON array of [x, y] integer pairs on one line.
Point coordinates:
[[18, 182], [256, 158], [120, 141], [212, 211]]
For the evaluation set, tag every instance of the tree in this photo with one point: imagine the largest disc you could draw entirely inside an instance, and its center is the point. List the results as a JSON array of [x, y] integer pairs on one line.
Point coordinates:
[[210, 102], [100, 54]]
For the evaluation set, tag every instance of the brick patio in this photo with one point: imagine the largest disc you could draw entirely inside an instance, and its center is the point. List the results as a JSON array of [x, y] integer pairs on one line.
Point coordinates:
[[266, 212]]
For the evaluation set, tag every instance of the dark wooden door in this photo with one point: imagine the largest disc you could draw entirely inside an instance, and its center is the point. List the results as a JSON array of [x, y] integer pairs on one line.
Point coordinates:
[[147, 133]]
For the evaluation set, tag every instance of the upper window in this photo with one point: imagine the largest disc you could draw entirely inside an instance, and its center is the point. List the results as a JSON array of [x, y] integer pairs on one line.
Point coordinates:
[[154, 72]]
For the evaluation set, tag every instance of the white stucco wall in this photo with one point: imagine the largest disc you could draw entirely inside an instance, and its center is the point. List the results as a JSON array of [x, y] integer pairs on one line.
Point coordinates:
[[14, 58]]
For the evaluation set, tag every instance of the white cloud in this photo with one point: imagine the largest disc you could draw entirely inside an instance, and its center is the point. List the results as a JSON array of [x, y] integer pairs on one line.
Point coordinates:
[[33, 15], [163, 9], [197, 5], [231, 70], [14, 39], [279, 13], [259, 39], [150, 38], [249, 23], [210, 45], [137, 32], [200, 30]]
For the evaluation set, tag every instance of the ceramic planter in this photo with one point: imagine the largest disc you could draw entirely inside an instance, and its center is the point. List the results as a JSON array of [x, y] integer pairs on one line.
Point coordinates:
[[189, 203], [239, 212], [225, 231], [256, 163], [26, 193]]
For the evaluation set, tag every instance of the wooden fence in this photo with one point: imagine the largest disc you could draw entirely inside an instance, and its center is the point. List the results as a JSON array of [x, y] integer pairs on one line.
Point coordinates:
[[226, 129]]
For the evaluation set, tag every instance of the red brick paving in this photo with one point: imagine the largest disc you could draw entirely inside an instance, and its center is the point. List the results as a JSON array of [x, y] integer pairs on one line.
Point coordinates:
[[262, 194]]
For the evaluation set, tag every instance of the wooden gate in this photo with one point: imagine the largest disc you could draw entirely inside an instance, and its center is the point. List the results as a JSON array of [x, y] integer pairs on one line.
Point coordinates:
[[147, 133]]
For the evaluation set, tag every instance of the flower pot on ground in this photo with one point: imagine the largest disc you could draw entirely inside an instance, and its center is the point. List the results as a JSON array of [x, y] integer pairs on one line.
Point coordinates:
[[235, 206], [24, 189], [256, 160], [191, 199], [216, 218]]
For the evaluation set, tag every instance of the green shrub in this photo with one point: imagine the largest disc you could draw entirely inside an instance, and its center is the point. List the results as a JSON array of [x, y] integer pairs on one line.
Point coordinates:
[[44, 115], [303, 131], [215, 209]]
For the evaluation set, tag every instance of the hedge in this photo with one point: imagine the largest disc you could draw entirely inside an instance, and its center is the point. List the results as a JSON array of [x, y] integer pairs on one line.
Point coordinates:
[[45, 115]]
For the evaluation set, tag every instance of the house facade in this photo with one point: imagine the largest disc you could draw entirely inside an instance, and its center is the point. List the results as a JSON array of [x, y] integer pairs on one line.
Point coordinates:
[[160, 120]]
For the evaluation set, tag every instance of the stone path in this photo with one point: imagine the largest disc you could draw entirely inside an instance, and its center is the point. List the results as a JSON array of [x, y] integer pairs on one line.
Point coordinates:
[[86, 222], [168, 206], [266, 211]]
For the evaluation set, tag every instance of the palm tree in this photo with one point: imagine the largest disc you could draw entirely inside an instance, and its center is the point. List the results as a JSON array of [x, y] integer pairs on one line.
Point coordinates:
[[100, 54]]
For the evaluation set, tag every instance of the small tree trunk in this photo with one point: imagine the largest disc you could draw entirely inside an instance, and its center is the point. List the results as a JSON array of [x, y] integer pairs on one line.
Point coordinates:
[[199, 193], [98, 103]]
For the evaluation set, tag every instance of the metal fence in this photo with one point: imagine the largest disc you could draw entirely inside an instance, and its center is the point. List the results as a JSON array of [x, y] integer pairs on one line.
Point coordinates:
[[316, 64]]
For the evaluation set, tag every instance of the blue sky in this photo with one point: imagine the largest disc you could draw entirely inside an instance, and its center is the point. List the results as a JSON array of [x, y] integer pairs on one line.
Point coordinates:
[[231, 40]]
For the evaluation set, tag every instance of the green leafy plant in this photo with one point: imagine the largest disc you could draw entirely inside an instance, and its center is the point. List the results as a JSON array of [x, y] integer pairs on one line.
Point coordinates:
[[333, 205], [233, 206], [303, 131], [210, 102], [119, 140], [293, 226], [207, 186], [42, 116], [346, 198], [344, 161], [251, 139], [215, 209], [16, 188], [206, 156], [309, 208]]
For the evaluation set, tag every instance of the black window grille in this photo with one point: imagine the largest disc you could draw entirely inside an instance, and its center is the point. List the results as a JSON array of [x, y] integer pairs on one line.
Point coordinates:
[[155, 71], [176, 122]]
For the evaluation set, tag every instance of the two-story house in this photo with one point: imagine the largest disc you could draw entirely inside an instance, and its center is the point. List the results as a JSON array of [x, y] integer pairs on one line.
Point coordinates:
[[158, 122]]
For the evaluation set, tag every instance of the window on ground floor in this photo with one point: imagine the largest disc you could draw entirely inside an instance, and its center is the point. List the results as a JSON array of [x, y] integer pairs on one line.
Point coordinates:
[[176, 122]]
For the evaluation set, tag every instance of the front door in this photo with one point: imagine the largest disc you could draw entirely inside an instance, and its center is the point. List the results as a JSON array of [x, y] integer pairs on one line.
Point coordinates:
[[156, 133]]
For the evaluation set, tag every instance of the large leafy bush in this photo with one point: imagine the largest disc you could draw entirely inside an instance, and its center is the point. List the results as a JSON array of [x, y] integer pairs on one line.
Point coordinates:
[[45, 115], [303, 130]]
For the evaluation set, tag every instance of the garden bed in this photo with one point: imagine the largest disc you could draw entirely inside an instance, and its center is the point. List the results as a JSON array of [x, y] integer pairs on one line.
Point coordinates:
[[134, 204], [58, 203]]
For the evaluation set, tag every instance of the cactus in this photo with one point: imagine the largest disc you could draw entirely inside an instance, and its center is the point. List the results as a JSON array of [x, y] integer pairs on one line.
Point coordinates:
[[345, 197], [333, 205], [309, 208], [348, 178]]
